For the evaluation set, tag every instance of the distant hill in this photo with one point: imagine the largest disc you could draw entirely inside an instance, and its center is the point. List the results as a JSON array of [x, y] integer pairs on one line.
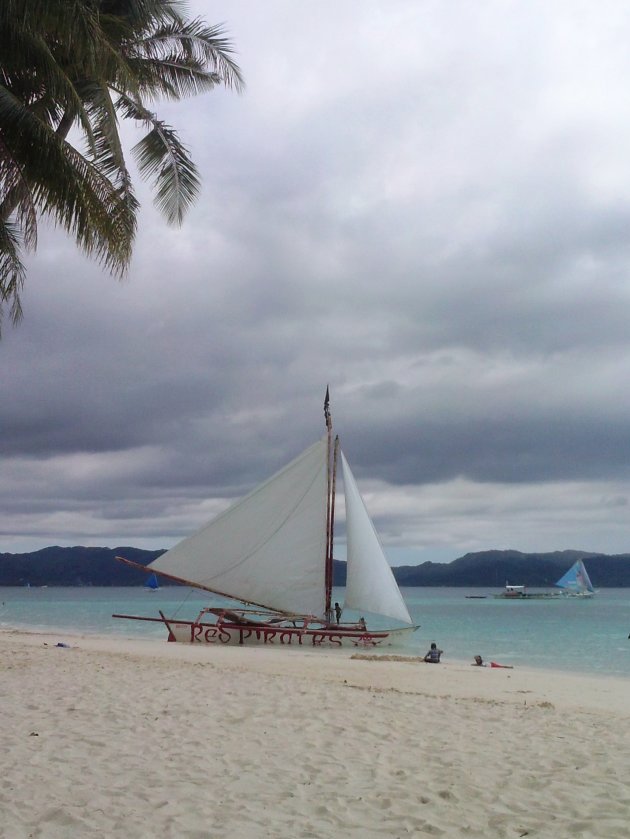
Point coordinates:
[[80, 566], [76, 566], [495, 568]]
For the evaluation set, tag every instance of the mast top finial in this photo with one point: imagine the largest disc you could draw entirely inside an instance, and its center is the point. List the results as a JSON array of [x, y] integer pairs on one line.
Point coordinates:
[[327, 415]]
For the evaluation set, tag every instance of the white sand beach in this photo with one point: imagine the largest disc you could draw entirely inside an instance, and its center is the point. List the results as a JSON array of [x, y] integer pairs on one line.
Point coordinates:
[[127, 739]]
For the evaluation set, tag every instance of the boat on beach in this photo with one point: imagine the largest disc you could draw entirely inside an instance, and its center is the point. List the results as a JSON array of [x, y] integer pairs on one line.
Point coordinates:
[[272, 552]]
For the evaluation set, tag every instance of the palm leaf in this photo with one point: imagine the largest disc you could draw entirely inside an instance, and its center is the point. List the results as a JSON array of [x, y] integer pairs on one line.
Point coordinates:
[[12, 272], [160, 155], [82, 63], [191, 44]]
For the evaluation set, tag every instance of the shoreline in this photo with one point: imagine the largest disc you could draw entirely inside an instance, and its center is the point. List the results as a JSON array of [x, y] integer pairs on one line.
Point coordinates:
[[394, 650], [589, 638], [571, 690], [137, 738]]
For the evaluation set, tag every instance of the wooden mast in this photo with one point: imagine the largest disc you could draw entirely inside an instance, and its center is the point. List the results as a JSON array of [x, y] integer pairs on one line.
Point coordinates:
[[332, 526], [329, 510]]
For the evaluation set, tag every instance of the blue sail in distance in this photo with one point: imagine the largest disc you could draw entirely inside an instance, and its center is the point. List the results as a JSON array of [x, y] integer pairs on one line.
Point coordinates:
[[576, 580]]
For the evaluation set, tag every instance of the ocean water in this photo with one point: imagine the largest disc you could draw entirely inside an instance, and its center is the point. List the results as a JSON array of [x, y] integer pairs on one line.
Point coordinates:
[[578, 635]]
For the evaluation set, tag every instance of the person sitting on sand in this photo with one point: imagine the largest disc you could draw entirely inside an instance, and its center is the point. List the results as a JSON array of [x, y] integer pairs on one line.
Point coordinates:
[[433, 656], [478, 662]]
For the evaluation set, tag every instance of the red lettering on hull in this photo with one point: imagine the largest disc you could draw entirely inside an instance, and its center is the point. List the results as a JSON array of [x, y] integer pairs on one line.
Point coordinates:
[[203, 633]]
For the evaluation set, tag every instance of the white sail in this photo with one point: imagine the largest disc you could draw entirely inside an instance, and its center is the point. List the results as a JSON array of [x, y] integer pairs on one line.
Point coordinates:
[[370, 584], [269, 548]]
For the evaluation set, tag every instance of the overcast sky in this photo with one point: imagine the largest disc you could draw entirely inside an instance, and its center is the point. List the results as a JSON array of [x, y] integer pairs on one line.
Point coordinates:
[[425, 205]]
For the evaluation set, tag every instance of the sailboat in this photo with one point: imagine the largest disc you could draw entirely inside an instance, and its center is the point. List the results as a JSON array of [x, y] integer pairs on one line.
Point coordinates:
[[576, 582], [273, 551], [152, 583]]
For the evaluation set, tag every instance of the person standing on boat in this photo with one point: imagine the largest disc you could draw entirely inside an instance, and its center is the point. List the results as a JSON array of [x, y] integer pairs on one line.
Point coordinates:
[[338, 612], [433, 656]]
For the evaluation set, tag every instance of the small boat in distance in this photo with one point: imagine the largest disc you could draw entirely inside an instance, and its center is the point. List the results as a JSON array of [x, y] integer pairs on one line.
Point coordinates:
[[152, 583], [511, 592], [273, 550], [576, 582]]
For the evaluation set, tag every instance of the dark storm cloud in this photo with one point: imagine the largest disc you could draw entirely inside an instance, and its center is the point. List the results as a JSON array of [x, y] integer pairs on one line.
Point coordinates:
[[426, 207]]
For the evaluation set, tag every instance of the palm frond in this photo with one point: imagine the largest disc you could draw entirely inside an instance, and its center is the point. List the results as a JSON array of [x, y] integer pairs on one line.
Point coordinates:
[[172, 78], [99, 214], [81, 63], [191, 43], [12, 271], [161, 155], [107, 149]]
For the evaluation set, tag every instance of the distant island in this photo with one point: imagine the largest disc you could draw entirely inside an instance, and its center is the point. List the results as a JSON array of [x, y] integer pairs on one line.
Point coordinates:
[[79, 566]]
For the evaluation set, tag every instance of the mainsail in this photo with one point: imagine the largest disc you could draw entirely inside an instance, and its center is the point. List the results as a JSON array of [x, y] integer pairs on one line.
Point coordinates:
[[370, 584], [576, 580], [269, 547]]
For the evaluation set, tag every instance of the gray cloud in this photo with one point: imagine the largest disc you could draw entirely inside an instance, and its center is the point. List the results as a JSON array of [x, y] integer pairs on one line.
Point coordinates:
[[426, 206]]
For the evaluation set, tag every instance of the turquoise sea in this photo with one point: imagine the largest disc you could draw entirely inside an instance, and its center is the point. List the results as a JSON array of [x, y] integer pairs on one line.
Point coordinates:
[[588, 636]]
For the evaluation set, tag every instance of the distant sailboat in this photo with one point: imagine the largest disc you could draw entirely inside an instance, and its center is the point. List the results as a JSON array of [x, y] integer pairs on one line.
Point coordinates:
[[273, 550], [576, 582], [152, 583]]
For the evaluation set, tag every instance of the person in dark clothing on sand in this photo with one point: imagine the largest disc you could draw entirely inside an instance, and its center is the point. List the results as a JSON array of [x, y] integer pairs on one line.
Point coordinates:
[[338, 612], [433, 656]]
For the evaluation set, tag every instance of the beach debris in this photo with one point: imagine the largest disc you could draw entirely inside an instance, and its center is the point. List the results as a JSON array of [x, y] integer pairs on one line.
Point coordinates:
[[34, 734], [62, 644], [380, 657]]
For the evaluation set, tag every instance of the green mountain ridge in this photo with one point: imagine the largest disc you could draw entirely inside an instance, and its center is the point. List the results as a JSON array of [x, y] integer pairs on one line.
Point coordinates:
[[81, 566]]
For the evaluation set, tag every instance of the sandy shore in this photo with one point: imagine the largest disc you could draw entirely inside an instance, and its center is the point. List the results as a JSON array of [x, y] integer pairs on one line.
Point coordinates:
[[113, 738]]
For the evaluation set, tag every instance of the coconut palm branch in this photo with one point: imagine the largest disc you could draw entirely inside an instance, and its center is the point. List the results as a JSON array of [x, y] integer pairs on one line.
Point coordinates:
[[69, 66]]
